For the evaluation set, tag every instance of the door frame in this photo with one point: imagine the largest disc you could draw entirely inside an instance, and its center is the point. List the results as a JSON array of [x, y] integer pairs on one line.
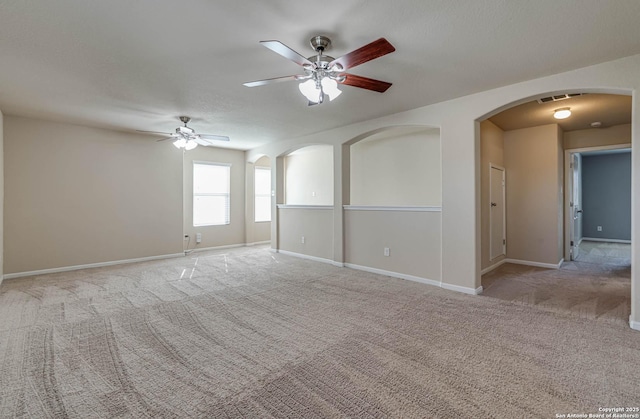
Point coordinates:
[[504, 213], [568, 189]]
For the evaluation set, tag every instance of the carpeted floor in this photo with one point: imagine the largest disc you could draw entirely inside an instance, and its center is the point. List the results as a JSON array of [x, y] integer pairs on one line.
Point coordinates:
[[596, 286], [250, 333]]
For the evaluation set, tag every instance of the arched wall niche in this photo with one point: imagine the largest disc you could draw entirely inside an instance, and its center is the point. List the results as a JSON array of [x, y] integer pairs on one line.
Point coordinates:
[[396, 166], [308, 175]]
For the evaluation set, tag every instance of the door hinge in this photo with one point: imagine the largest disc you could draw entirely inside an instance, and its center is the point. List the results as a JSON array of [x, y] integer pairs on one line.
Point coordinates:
[[571, 242], [504, 241]]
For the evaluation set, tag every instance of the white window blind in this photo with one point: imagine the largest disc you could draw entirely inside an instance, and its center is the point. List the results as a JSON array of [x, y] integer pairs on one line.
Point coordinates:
[[211, 201], [262, 188]]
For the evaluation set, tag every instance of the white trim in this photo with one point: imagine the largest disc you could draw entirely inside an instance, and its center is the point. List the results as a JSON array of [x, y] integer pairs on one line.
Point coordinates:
[[385, 208], [634, 325], [494, 266], [393, 274], [464, 290], [536, 264], [204, 249], [303, 256], [258, 243], [287, 206], [89, 266], [592, 239]]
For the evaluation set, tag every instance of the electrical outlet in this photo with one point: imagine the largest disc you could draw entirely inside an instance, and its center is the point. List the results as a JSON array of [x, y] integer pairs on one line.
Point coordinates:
[[599, 228], [198, 237], [387, 251], [186, 236], [302, 240]]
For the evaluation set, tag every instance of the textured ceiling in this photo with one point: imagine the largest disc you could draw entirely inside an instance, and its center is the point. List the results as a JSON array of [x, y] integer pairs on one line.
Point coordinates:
[[138, 65], [609, 110]]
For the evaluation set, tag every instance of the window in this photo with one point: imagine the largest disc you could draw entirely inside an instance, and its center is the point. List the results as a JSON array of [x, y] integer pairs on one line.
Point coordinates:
[[211, 184], [262, 187]]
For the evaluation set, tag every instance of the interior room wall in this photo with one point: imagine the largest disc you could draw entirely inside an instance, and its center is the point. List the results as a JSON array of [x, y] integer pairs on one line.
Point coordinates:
[[492, 152], [219, 235], [314, 224], [606, 196], [76, 195], [309, 176], [533, 162], [1, 196], [413, 240], [459, 130], [398, 167], [595, 137], [262, 230]]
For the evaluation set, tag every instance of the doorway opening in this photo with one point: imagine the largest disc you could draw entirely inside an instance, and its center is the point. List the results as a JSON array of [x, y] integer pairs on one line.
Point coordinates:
[[552, 259]]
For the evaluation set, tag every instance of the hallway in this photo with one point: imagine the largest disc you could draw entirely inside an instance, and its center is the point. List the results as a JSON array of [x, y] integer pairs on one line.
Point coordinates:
[[596, 286]]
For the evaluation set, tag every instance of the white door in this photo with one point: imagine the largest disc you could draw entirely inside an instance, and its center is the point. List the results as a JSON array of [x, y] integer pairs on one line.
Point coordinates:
[[576, 205], [497, 218]]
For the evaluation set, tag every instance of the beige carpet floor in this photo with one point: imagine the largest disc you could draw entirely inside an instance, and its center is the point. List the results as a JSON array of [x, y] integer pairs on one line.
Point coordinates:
[[250, 333], [596, 286]]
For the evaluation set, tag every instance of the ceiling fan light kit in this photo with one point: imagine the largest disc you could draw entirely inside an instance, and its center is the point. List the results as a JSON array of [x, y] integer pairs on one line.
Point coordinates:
[[186, 137], [323, 73]]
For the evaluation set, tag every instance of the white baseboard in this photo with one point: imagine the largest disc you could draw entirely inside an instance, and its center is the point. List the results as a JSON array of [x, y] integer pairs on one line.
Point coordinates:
[[89, 265], [205, 249], [634, 325], [592, 239], [494, 266], [464, 290], [258, 243], [303, 256], [393, 274], [536, 264]]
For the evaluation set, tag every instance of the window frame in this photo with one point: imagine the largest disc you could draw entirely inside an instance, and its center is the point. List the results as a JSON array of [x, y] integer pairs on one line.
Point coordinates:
[[265, 195], [194, 194]]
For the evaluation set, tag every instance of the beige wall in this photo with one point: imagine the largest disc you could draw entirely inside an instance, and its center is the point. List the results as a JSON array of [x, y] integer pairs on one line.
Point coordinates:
[[309, 176], [1, 197], [222, 235], [492, 152], [594, 137], [315, 224], [399, 167], [533, 162], [76, 195], [413, 239]]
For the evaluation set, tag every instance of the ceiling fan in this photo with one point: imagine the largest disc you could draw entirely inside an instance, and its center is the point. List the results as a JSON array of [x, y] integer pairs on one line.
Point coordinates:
[[323, 73], [186, 137]]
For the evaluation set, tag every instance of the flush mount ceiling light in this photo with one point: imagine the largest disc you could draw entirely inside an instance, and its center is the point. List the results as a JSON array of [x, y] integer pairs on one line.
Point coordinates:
[[323, 73], [562, 113], [186, 137]]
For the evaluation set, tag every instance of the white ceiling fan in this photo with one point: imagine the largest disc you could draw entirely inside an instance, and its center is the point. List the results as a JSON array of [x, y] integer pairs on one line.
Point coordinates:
[[186, 137]]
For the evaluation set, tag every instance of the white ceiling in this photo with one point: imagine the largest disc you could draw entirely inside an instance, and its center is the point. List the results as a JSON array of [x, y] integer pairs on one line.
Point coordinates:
[[138, 65]]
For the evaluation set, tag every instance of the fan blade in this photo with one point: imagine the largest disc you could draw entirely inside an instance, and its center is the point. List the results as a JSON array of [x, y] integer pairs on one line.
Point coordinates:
[[209, 139], [365, 83], [213, 137], [269, 81], [363, 54], [163, 139], [154, 132], [286, 52]]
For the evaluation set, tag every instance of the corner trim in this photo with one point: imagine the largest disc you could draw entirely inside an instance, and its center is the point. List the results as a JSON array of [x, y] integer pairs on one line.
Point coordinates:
[[634, 325], [89, 266], [536, 264], [303, 256], [393, 274], [494, 266], [464, 290]]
